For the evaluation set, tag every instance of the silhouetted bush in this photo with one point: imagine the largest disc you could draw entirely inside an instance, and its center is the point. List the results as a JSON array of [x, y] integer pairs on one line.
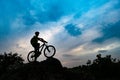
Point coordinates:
[[104, 67], [9, 61]]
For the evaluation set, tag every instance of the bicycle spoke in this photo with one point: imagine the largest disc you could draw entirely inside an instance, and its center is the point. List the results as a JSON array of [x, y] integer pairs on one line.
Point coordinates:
[[49, 51]]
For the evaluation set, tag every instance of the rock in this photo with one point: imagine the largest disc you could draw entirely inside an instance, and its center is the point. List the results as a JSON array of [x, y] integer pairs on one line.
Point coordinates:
[[49, 69]]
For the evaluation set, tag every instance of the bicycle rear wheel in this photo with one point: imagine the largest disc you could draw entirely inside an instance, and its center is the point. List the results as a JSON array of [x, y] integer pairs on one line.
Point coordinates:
[[49, 51], [31, 56]]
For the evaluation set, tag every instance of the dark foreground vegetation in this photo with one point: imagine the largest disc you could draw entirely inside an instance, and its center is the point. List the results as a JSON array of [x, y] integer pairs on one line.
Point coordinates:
[[102, 68]]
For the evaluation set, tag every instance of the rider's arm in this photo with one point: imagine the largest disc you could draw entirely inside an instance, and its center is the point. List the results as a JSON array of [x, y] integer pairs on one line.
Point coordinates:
[[41, 39]]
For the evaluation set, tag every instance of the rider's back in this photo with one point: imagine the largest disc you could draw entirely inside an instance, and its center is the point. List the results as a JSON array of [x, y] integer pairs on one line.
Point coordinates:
[[34, 40]]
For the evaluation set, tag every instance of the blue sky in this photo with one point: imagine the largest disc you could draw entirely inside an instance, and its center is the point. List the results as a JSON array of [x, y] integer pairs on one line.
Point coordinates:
[[79, 29]]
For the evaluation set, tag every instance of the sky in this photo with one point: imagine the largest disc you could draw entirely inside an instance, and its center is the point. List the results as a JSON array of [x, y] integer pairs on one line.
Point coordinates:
[[79, 29]]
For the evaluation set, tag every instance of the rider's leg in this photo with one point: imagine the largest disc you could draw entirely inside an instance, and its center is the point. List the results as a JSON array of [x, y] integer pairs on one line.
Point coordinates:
[[37, 46], [37, 51]]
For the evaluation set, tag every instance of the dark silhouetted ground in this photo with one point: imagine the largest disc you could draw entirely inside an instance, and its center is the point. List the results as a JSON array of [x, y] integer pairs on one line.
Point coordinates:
[[102, 68], [49, 69]]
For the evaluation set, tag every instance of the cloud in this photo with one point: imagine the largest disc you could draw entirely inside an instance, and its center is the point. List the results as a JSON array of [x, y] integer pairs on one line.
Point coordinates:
[[102, 51], [89, 51], [73, 30], [45, 11], [96, 16], [67, 55], [8, 14], [109, 32]]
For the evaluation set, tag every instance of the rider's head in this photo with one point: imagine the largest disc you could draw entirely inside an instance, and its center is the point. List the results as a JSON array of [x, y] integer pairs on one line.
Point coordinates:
[[37, 33]]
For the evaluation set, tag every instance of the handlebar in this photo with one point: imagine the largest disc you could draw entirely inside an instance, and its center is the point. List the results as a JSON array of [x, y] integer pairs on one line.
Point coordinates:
[[45, 42]]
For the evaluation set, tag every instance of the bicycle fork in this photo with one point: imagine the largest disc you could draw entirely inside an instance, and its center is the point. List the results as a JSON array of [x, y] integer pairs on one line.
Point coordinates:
[[47, 49]]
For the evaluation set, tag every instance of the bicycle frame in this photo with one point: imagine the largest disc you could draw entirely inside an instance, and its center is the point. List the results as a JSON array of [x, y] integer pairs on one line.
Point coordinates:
[[42, 46]]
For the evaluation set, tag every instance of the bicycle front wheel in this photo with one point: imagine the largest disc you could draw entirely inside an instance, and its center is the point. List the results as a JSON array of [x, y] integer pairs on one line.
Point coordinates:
[[31, 56], [49, 51]]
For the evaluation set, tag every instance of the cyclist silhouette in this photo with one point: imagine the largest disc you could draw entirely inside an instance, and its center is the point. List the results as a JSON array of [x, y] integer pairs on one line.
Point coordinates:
[[34, 42], [48, 50]]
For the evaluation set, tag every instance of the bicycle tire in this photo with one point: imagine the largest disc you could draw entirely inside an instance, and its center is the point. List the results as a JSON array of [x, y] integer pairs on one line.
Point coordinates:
[[50, 53], [29, 56]]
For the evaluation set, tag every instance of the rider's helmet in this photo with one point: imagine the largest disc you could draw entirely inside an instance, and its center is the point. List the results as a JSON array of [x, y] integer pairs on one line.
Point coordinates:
[[37, 33]]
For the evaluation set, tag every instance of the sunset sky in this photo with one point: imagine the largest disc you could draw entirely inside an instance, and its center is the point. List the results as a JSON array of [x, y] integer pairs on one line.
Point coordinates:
[[79, 29]]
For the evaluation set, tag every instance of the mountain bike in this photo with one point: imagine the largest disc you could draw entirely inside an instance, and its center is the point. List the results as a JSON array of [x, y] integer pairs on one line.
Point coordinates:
[[48, 50]]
